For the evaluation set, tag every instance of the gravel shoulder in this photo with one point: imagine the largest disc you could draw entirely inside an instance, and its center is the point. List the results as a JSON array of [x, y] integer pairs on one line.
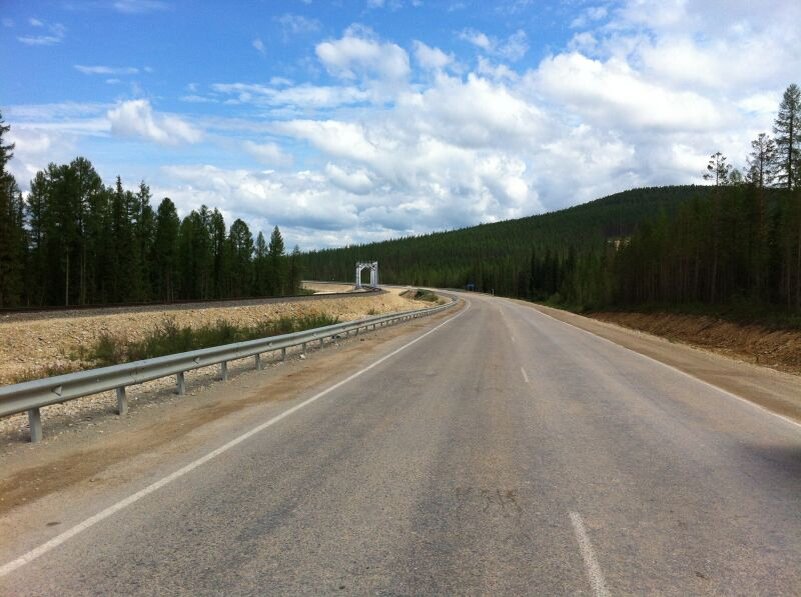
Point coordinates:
[[32, 345]]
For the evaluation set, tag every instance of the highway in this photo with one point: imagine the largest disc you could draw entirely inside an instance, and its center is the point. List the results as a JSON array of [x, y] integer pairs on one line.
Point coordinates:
[[491, 451]]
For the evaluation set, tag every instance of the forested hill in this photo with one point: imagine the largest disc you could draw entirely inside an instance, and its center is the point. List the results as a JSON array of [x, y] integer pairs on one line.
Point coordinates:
[[494, 256]]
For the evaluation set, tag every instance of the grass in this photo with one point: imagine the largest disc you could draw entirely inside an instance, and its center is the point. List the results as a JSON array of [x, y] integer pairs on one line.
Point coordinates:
[[421, 294], [170, 338]]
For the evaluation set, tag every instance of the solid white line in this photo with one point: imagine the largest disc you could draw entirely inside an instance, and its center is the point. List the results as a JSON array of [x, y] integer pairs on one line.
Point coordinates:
[[523, 371], [676, 369], [93, 520], [594, 573]]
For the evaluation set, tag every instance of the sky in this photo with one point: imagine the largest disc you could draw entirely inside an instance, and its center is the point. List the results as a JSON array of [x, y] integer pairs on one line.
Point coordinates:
[[352, 121]]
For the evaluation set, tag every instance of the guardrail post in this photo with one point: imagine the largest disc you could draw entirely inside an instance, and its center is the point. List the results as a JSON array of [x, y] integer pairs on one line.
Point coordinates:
[[180, 384], [258, 362], [321, 342], [122, 401], [35, 423], [283, 354], [224, 371], [303, 348]]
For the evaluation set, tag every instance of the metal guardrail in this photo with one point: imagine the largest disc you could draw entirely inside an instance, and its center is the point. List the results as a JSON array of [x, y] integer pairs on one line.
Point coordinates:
[[31, 396]]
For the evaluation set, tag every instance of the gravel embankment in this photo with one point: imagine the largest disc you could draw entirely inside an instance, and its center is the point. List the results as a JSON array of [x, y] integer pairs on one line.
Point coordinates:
[[28, 346]]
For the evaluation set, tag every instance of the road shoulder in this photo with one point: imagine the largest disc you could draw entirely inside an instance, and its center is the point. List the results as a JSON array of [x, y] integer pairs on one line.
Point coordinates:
[[773, 390]]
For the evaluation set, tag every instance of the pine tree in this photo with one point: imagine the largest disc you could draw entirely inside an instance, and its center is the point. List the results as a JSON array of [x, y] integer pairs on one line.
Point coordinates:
[[717, 169], [761, 162], [787, 129]]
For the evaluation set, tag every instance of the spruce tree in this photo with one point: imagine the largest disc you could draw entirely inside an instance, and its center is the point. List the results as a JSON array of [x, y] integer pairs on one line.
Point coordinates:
[[787, 129], [275, 253], [12, 232]]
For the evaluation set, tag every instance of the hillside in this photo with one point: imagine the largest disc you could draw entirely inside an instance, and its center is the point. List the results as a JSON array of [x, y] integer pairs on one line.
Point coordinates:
[[493, 256]]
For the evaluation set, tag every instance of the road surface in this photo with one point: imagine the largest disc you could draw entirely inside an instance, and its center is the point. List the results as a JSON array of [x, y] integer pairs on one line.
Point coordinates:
[[501, 452]]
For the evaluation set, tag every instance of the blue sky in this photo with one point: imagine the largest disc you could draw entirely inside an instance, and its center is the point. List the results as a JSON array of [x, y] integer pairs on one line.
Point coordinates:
[[354, 121]]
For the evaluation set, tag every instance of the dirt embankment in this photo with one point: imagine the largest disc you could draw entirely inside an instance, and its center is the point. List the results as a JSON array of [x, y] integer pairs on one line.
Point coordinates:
[[777, 349], [29, 346]]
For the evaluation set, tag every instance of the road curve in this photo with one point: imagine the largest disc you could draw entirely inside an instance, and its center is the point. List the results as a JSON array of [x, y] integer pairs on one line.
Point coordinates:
[[502, 453]]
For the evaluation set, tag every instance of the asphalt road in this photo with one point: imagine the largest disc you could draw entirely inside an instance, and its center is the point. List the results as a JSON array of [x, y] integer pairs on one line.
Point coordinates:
[[502, 453]]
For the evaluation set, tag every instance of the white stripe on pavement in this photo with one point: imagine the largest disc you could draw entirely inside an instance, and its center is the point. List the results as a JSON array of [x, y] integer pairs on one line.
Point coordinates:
[[594, 573]]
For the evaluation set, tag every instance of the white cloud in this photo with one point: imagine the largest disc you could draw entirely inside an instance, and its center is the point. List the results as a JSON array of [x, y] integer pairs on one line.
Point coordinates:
[[512, 48], [357, 182], [267, 153], [431, 58], [33, 22], [55, 35], [136, 118], [477, 38], [297, 24], [139, 6], [299, 96], [259, 45], [612, 94], [106, 70], [359, 54]]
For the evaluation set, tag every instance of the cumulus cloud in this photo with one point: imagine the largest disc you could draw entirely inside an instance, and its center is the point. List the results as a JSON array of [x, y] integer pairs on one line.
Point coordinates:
[[358, 53], [431, 58], [267, 153], [136, 118], [613, 94], [637, 97], [513, 48]]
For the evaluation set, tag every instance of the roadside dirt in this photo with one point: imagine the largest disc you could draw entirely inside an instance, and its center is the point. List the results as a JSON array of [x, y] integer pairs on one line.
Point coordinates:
[[176, 424], [30, 346], [777, 391], [777, 349]]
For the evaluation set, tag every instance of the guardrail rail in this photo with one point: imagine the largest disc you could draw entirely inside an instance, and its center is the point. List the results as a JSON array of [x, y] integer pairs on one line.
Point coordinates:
[[31, 396]]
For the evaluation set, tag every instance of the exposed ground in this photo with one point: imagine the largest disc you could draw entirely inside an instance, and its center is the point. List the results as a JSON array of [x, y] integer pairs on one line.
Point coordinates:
[[777, 349], [28, 345], [31, 345], [327, 287]]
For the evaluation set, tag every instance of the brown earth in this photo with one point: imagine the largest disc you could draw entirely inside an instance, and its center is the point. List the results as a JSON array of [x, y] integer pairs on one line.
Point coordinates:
[[28, 347], [777, 349]]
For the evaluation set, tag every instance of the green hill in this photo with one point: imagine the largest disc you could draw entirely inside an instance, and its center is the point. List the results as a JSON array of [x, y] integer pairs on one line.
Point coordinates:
[[498, 256]]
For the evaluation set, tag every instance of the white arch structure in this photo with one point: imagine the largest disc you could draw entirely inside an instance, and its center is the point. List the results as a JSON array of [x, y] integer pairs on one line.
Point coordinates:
[[373, 267]]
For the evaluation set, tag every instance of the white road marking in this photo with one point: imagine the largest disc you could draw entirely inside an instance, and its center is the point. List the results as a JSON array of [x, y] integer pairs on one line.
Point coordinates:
[[523, 371], [676, 369], [122, 504], [594, 573]]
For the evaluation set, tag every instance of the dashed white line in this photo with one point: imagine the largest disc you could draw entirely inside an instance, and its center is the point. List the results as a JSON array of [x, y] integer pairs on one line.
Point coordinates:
[[525, 376], [594, 573], [113, 509]]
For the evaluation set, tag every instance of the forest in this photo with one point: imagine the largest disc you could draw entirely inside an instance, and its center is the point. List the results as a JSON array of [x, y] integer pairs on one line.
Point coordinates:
[[735, 241], [75, 241]]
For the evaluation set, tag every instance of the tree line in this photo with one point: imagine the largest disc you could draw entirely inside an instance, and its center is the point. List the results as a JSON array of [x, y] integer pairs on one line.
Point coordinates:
[[737, 240], [75, 241]]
